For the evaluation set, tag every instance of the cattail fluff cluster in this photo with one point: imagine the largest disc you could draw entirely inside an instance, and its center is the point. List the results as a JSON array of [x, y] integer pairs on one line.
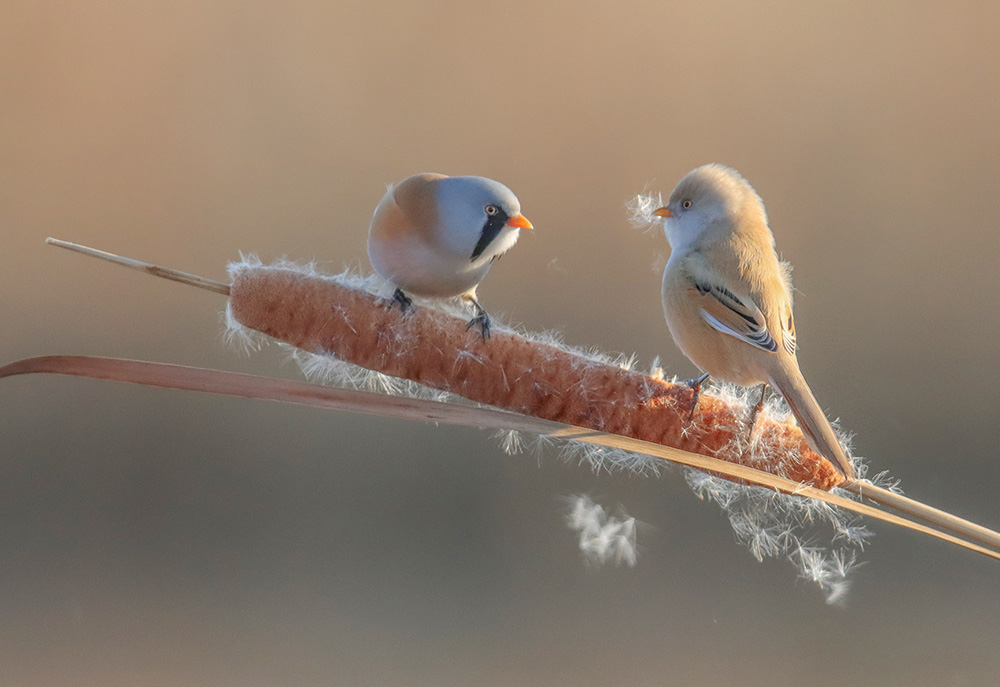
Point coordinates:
[[603, 538], [640, 210], [339, 334]]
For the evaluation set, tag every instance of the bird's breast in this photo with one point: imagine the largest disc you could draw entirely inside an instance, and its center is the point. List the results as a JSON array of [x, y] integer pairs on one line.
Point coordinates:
[[419, 268], [724, 357]]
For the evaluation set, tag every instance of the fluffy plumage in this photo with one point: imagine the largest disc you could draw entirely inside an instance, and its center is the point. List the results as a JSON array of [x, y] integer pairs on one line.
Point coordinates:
[[727, 298], [437, 236]]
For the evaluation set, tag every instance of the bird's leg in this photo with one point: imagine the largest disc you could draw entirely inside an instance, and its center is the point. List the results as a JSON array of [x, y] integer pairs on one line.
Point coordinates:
[[404, 301], [695, 385], [755, 411], [480, 318]]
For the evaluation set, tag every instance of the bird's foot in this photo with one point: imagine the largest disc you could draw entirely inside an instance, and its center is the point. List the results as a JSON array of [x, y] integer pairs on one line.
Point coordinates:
[[405, 303], [482, 320], [695, 385], [755, 411]]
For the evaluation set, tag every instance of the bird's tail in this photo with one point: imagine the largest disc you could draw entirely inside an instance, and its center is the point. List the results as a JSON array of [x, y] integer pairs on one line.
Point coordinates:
[[790, 383]]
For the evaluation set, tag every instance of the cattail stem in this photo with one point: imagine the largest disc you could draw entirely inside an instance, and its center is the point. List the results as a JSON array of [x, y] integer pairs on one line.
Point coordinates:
[[507, 371], [149, 268]]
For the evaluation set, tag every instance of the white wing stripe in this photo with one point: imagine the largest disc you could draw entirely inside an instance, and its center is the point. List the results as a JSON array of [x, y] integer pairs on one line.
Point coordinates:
[[789, 343], [762, 339]]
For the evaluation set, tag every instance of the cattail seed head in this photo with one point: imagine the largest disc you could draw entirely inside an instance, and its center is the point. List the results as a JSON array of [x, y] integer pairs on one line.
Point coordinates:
[[434, 348]]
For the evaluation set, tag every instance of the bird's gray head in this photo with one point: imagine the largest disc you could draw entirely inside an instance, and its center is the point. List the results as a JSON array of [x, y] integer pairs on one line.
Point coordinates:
[[709, 199], [479, 218]]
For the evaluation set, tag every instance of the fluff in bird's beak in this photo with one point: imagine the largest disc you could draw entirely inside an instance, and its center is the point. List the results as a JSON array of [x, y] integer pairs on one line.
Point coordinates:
[[519, 222]]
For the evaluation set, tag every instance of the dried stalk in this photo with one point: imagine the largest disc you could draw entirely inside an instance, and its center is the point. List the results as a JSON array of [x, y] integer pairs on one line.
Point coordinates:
[[148, 268]]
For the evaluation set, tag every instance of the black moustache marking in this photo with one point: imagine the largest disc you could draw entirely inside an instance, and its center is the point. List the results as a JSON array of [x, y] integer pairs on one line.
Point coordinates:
[[494, 225]]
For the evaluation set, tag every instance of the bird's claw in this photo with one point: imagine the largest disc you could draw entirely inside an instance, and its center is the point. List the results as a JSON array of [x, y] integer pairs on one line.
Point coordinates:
[[755, 411], [695, 386], [483, 321], [405, 303]]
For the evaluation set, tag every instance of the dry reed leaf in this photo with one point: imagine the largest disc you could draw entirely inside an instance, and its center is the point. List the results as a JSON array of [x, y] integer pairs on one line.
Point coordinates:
[[185, 378]]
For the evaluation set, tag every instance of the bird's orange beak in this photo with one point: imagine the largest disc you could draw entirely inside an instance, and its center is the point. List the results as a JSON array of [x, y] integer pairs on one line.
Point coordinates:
[[519, 222], [663, 212]]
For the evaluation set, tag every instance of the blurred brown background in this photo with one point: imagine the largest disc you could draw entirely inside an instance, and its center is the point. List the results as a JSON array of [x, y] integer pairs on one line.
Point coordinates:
[[158, 538]]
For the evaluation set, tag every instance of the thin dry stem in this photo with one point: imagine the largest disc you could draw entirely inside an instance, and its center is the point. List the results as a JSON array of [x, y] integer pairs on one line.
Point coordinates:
[[933, 516], [148, 268]]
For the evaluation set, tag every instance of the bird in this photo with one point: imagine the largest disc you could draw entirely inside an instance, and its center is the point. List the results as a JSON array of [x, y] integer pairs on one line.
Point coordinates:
[[436, 236], [727, 298]]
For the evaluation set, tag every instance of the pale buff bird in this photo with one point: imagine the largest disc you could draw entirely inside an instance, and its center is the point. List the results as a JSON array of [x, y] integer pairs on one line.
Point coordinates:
[[437, 236], [727, 297]]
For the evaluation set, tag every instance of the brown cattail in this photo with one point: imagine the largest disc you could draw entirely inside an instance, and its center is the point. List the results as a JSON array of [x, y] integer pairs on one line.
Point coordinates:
[[320, 315]]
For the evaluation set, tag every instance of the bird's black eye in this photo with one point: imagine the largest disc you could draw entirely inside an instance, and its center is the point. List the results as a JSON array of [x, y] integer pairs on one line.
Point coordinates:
[[687, 204], [492, 210]]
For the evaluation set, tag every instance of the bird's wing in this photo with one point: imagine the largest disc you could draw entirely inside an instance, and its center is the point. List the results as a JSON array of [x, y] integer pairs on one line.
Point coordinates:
[[732, 313]]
